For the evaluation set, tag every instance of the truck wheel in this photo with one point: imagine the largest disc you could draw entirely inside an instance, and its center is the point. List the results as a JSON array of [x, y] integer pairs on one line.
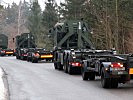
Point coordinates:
[[16, 57], [55, 65], [65, 69], [114, 83], [34, 61], [91, 76], [28, 59], [70, 70], [85, 75], [60, 67], [105, 82], [66, 63]]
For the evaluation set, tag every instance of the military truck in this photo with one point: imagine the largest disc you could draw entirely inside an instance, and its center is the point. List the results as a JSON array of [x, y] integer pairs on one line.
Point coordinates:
[[23, 42], [3, 41], [70, 39], [74, 50], [4, 50], [112, 68], [38, 54]]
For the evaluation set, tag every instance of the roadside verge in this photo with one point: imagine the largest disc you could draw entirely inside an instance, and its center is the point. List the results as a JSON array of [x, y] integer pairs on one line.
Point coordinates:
[[4, 86]]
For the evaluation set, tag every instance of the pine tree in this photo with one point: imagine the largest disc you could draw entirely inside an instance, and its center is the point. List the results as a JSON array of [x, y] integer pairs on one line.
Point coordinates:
[[49, 19], [73, 9], [110, 24], [34, 23], [50, 16], [12, 13]]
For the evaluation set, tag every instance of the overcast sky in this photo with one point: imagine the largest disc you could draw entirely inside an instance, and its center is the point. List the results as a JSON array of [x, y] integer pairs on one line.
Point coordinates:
[[41, 2]]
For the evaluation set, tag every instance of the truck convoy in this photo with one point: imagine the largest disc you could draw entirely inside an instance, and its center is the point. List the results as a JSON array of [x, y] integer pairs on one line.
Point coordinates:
[[74, 52], [4, 46], [26, 49]]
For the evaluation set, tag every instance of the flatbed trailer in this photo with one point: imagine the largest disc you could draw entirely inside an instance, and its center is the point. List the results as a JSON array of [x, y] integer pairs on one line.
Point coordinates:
[[112, 68]]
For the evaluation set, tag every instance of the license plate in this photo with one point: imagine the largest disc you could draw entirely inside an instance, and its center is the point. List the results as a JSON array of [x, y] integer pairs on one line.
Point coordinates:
[[119, 73], [131, 71]]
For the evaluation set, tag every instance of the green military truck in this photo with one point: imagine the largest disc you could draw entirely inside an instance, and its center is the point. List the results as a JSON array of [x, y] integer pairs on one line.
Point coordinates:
[[74, 52], [23, 42], [71, 39], [4, 50], [3, 41]]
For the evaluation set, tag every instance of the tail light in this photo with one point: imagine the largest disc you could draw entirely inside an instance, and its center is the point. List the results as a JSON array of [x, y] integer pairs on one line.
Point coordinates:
[[3, 51], [117, 66], [75, 64]]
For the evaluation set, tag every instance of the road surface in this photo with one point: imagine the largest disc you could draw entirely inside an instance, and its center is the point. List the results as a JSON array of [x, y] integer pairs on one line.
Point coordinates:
[[30, 81]]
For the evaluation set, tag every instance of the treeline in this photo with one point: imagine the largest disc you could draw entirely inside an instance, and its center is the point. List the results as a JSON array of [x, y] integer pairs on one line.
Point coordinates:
[[39, 22], [29, 17], [110, 21]]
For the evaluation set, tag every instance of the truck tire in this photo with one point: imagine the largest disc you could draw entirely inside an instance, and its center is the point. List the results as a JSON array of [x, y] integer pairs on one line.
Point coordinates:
[[65, 69], [85, 75], [47, 60], [60, 67], [70, 70], [105, 81], [66, 64], [114, 83], [16, 57], [28, 59], [34, 61], [55, 65], [91, 76]]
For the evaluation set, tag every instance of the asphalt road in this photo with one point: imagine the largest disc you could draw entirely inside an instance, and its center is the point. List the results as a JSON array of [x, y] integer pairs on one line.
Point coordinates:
[[29, 81]]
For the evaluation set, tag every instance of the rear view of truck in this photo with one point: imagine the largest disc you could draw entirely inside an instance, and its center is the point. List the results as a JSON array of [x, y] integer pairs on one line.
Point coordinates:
[[70, 38], [23, 43], [112, 68], [39, 54]]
